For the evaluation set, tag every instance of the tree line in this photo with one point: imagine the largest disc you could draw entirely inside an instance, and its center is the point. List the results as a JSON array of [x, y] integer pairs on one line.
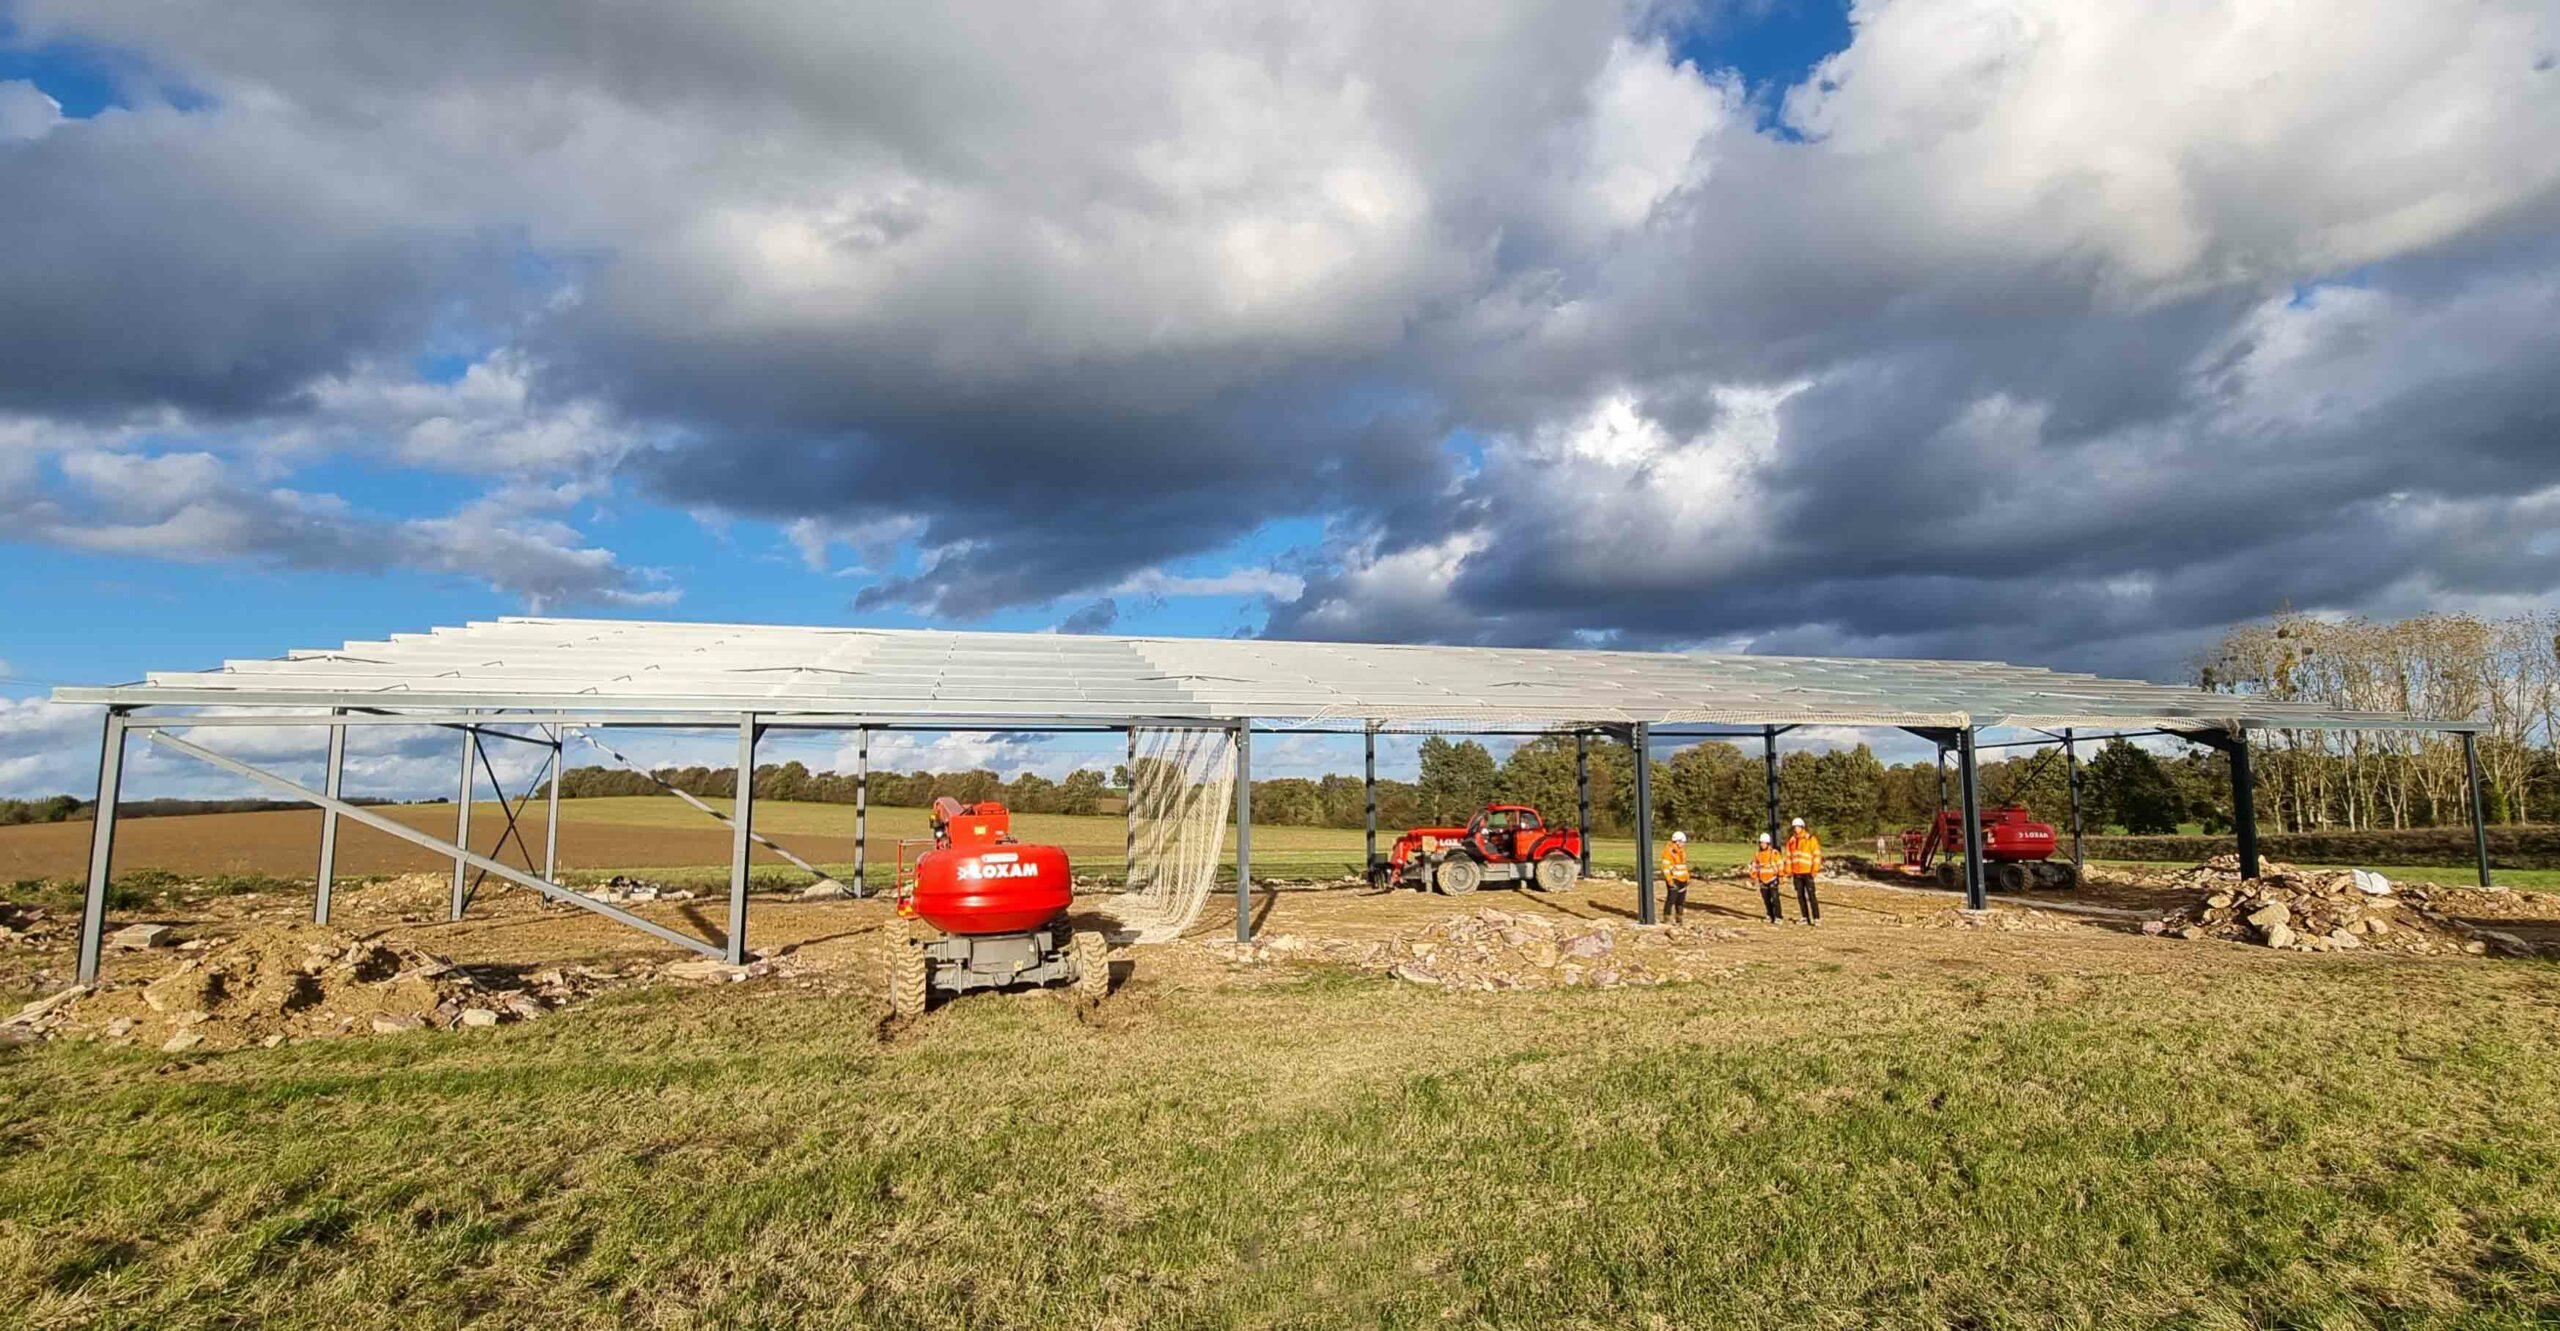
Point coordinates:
[[1712, 789], [2503, 672]]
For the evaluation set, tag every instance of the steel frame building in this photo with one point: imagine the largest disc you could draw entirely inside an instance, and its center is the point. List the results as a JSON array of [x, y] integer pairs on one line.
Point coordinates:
[[532, 680]]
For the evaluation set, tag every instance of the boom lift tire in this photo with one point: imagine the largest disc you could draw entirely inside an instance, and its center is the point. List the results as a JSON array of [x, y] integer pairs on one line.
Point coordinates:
[[908, 970], [1093, 965]]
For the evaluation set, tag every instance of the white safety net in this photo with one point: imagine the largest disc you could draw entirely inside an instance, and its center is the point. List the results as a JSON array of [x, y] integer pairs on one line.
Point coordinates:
[[1182, 787]]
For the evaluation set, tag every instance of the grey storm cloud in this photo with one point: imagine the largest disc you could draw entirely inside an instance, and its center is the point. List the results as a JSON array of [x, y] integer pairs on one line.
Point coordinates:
[[2020, 327]]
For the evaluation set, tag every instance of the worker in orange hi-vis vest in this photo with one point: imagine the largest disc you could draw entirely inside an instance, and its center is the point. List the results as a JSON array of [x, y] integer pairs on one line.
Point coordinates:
[[1675, 876], [1804, 860], [1767, 867]]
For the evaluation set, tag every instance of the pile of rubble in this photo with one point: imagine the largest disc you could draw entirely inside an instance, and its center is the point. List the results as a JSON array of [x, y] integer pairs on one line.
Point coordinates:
[[622, 888], [2313, 911], [28, 924], [1490, 949], [298, 982]]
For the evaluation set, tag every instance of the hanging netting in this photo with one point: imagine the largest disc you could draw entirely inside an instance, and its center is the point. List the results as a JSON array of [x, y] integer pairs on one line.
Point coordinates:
[[1182, 787]]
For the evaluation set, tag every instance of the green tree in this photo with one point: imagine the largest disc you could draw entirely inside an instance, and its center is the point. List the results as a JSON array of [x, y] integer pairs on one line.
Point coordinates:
[[1457, 779], [2133, 789]]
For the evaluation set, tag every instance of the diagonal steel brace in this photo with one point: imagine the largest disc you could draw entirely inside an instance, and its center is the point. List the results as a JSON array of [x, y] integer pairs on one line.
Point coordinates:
[[437, 844]]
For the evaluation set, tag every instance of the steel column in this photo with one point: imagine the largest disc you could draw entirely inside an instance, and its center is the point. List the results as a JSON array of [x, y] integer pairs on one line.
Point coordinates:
[[1369, 797], [861, 809], [1643, 744], [2479, 822], [388, 827], [1769, 759], [1129, 816], [743, 840], [2071, 766], [2244, 802], [551, 828], [102, 846], [1244, 833], [332, 784], [1942, 778], [462, 819], [1968, 780], [1582, 793]]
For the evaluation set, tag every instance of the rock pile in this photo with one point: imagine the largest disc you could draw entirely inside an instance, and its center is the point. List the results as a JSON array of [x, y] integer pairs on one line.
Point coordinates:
[[273, 985], [28, 924], [2307, 911], [1488, 950]]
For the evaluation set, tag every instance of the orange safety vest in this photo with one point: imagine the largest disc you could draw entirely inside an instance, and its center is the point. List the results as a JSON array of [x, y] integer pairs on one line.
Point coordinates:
[[1804, 852], [1675, 863], [1768, 866]]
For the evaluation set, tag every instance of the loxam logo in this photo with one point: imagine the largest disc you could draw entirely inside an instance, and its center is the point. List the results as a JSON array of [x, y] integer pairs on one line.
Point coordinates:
[[997, 866]]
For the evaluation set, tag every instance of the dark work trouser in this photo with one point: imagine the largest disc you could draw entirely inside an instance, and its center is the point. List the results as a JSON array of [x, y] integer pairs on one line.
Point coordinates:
[[1675, 896], [1769, 898], [1809, 905]]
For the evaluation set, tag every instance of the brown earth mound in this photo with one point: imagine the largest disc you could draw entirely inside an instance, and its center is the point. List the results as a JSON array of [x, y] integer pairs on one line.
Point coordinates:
[[1494, 949], [274, 984], [2307, 911]]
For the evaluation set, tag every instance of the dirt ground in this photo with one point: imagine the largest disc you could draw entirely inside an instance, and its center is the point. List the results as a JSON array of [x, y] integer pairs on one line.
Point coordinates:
[[228, 970]]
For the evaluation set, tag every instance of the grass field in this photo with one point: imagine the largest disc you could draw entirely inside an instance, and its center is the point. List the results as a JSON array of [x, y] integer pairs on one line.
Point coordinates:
[[1866, 1126]]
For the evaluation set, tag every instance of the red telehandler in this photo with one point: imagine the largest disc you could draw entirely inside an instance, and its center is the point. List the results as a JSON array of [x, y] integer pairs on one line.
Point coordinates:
[[1506, 843]]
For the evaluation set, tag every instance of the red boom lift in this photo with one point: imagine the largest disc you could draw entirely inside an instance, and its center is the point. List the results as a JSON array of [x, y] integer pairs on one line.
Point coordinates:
[[980, 910], [2017, 851]]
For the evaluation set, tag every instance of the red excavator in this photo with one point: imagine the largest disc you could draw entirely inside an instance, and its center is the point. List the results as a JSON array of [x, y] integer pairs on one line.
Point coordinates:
[[981, 910]]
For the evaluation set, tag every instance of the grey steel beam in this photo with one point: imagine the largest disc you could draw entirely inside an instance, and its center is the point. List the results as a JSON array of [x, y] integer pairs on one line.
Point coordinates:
[[2071, 769], [1244, 834], [431, 842], [1968, 780], [1641, 740], [462, 818], [1769, 759], [861, 810], [743, 841], [102, 847], [448, 711], [1368, 798], [2479, 817], [551, 832], [332, 784], [1581, 798]]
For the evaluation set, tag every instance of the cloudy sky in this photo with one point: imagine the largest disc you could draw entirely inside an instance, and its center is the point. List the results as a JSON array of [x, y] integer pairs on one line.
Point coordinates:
[[2032, 329]]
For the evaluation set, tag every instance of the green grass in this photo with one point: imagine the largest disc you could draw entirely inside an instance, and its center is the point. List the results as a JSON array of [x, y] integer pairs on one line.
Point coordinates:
[[1925, 1143]]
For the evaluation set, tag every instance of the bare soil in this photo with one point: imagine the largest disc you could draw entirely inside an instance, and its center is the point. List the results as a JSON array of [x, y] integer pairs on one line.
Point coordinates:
[[252, 968]]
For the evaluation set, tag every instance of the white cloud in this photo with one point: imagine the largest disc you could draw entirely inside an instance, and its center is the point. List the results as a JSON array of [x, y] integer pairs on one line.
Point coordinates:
[[1235, 582], [26, 112]]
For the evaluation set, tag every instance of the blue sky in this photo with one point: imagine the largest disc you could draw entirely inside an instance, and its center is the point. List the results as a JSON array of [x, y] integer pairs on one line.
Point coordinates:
[[176, 615], [1534, 323]]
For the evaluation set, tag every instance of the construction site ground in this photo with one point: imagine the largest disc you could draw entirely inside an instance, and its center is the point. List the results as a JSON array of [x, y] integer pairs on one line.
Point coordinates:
[[1395, 1109]]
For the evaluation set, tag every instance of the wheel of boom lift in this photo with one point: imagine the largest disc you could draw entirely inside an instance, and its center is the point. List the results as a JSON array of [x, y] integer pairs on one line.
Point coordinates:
[[1558, 873], [1093, 964], [909, 973], [1457, 876]]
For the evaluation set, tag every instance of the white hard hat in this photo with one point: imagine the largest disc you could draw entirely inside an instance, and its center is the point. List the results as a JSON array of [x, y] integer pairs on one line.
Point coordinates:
[[1681, 837], [1764, 838], [1799, 822]]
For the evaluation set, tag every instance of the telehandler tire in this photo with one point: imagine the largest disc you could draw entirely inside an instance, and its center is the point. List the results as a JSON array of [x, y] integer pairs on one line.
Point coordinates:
[[1457, 876], [1558, 873]]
